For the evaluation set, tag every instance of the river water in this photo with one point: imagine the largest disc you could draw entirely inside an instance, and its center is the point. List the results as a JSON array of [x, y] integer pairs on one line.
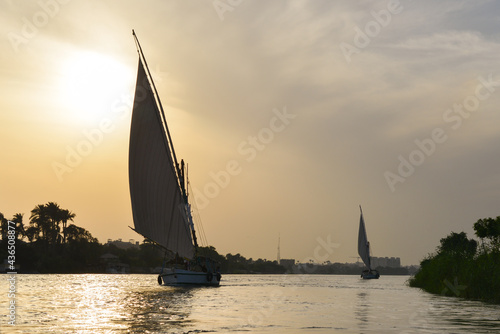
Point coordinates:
[[242, 304]]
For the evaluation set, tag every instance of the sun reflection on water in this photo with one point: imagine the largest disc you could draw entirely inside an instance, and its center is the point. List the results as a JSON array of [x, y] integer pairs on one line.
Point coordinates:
[[97, 303], [100, 304], [158, 309], [245, 303]]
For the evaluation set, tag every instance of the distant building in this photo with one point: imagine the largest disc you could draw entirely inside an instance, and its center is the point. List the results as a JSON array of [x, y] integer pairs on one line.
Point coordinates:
[[390, 262], [123, 244]]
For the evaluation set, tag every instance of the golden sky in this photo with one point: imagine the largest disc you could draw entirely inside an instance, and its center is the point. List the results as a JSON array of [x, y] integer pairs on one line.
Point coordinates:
[[289, 113]]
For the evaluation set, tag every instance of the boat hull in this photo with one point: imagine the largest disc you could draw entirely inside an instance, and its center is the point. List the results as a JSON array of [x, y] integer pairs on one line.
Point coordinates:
[[370, 274], [181, 277]]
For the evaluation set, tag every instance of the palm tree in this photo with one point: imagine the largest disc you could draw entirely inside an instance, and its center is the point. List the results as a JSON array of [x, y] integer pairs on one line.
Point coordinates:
[[79, 234], [46, 219], [3, 226], [42, 218], [39, 220], [65, 216], [55, 217], [18, 220], [32, 233]]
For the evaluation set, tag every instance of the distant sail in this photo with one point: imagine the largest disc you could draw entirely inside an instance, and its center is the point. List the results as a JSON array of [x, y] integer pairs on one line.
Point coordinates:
[[158, 205], [363, 244]]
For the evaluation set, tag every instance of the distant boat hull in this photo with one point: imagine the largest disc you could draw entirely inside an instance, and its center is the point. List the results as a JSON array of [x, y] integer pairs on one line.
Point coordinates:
[[370, 274], [180, 277]]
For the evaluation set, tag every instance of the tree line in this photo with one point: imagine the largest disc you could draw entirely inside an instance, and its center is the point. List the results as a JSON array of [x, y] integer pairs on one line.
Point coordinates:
[[48, 225], [50, 242], [462, 267], [238, 264]]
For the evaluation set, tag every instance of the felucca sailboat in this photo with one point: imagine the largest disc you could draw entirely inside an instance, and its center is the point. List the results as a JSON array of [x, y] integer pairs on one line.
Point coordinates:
[[364, 250], [158, 189]]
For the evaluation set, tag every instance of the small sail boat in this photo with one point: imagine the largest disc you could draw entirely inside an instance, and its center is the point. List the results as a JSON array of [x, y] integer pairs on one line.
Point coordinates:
[[364, 250], [158, 189]]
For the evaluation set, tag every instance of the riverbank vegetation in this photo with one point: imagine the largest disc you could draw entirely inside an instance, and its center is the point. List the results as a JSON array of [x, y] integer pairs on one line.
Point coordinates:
[[51, 243], [463, 267]]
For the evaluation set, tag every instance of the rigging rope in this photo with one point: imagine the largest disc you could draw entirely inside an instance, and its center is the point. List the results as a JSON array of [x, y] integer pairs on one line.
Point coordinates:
[[197, 219]]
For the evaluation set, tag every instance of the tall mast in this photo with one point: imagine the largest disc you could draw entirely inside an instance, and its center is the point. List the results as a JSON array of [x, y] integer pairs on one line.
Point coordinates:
[[180, 175], [188, 206], [279, 259], [179, 169]]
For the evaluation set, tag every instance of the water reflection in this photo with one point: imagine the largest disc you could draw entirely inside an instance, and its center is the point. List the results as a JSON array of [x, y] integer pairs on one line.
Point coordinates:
[[100, 304], [157, 310], [461, 315], [362, 309], [88, 304]]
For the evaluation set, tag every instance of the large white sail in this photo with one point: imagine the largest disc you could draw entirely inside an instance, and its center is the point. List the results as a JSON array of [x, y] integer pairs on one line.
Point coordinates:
[[158, 206], [363, 244]]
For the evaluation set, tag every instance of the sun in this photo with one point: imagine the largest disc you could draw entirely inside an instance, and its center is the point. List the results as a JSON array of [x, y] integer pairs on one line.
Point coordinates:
[[91, 84]]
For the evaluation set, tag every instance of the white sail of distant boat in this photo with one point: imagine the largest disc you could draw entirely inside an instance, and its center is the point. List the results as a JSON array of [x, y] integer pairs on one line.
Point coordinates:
[[364, 249], [158, 188]]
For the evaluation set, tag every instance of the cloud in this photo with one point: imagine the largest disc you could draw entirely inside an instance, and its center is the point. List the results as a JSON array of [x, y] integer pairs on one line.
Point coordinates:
[[456, 43]]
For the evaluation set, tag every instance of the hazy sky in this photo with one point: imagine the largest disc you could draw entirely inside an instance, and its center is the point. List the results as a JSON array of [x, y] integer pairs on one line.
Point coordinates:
[[289, 113]]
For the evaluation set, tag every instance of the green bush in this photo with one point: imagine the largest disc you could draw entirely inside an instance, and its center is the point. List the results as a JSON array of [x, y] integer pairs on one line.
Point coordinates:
[[458, 269]]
